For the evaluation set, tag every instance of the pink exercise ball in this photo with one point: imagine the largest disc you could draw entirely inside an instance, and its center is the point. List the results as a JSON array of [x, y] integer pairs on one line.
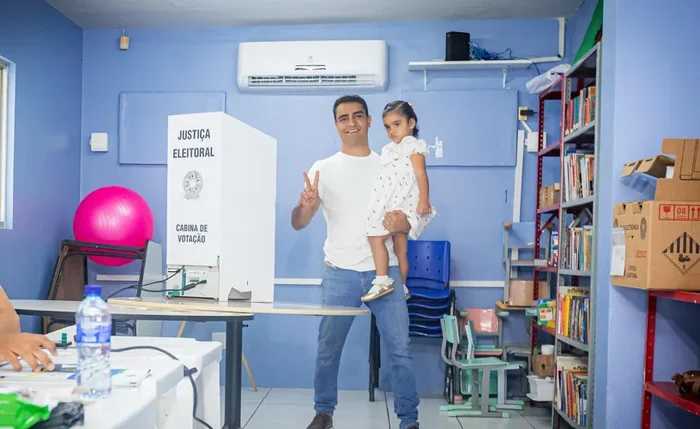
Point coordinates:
[[115, 216]]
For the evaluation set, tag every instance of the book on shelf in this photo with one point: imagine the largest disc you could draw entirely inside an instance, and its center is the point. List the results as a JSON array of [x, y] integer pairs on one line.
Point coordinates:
[[577, 251], [571, 393], [574, 313], [580, 110], [579, 168], [554, 249]]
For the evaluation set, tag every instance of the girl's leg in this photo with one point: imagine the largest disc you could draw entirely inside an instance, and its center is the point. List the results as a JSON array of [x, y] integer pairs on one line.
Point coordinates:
[[401, 250], [382, 284], [380, 254]]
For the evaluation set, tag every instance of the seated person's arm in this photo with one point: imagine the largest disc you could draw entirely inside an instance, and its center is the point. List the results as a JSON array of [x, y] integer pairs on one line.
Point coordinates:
[[29, 348], [9, 320]]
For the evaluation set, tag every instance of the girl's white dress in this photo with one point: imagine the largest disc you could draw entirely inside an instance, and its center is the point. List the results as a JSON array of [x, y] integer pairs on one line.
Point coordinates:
[[396, 188]]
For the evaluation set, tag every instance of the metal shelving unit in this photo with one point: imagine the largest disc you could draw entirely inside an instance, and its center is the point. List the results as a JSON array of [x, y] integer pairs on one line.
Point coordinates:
[[582, 74], [665, 390]]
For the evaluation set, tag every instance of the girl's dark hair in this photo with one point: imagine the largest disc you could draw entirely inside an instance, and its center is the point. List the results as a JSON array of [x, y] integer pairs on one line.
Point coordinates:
[[404, 109]]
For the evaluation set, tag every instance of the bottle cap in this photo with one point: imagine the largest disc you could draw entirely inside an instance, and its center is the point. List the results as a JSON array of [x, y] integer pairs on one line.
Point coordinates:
[[93, 290]]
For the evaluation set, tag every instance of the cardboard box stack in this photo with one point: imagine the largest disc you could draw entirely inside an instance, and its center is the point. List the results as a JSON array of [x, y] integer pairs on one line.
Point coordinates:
[[661, 244], [549, 195]]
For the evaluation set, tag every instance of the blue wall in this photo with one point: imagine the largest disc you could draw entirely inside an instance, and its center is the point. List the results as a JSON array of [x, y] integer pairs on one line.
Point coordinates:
[[205, 60], [46, 49], [655, 73]]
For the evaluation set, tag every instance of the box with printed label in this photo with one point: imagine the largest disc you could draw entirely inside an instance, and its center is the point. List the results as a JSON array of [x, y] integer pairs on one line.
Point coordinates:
[[661, 245], [655, 243]]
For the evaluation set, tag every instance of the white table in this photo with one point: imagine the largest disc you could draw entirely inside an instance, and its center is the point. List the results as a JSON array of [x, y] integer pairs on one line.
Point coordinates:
[[233, 349], [175, 409], [126, 407]]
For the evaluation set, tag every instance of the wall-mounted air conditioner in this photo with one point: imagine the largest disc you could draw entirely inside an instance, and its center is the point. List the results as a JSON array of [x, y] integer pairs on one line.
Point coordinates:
[[337, 65]]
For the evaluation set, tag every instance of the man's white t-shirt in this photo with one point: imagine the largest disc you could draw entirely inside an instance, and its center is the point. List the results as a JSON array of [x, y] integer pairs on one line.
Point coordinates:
[[345, 185]]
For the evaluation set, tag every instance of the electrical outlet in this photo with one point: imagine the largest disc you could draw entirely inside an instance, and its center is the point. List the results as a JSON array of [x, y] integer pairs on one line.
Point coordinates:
[[219, 337], [521, 113]]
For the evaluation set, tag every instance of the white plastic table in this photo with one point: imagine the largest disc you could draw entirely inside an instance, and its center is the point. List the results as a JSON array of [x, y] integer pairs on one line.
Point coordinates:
[[233, 349], [175, 409], [126, 407]]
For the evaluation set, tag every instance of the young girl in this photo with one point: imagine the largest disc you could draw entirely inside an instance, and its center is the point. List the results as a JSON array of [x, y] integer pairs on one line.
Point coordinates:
[[402, 185]]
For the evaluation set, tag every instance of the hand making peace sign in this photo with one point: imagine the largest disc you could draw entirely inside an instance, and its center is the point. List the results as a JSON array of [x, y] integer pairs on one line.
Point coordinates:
[[309, 196]]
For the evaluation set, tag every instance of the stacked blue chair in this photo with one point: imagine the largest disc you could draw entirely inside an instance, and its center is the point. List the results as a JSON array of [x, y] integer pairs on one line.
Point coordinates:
[[428, 282], [431, 298]]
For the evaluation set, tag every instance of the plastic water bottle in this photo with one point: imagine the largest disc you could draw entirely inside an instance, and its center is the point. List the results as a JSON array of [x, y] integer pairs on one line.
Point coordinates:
[[93, 342]]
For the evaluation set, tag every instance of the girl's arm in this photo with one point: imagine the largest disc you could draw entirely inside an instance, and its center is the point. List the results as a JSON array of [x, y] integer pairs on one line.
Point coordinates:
[[418, 161]]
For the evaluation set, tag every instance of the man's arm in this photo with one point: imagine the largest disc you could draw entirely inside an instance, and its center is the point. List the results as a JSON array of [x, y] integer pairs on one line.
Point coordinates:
[[302, 215], [308, 205], [9, 320]]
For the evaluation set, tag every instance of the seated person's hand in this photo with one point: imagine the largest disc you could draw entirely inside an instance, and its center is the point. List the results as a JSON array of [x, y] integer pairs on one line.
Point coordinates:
[[28, 347]]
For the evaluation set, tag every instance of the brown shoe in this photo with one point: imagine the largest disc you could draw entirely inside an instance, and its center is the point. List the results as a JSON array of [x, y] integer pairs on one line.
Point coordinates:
[[321, 421]]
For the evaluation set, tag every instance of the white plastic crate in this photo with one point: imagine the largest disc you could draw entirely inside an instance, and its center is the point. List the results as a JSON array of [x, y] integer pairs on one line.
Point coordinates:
[[541, 389]]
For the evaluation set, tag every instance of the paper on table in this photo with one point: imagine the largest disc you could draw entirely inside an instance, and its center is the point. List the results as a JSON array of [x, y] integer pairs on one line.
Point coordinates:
[[120, 377], [617, 257]]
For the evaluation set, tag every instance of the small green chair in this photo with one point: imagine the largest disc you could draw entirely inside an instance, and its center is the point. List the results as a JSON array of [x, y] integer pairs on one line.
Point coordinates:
[[480, 373], [501, 402]]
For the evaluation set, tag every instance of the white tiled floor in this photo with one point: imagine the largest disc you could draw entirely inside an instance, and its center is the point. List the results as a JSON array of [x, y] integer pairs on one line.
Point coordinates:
[[293, 409]]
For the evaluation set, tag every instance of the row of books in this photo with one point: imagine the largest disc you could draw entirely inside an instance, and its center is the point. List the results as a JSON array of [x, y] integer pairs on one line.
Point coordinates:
[[579, 169], [574, 313], [577, 253], [580, 110], [570, 395]]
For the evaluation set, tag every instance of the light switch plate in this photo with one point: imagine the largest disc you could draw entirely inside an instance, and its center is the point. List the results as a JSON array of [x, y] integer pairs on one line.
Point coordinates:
[[99, 142]]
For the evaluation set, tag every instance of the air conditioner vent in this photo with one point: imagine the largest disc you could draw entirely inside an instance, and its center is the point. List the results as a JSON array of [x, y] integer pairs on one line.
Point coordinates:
[[307, 66], [340, 80]]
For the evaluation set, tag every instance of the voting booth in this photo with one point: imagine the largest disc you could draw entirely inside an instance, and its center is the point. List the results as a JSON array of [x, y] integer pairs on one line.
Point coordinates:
[[221, 193]]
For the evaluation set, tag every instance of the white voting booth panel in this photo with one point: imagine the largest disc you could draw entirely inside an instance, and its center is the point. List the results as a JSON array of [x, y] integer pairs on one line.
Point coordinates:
[[222, 176]]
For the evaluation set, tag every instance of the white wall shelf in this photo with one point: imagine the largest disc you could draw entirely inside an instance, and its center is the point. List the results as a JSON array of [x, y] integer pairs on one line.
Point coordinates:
[[505, 65], [440, 65]]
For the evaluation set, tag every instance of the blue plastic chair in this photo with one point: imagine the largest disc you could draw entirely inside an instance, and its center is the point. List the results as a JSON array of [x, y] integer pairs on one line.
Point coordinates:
[[429, 265], [431, 298], [428, 281]]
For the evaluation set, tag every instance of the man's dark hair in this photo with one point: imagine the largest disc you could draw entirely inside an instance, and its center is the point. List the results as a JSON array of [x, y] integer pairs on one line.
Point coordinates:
[[350, 99]]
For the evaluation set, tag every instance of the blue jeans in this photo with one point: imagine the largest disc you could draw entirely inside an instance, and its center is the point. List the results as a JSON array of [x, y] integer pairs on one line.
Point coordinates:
[[346, 287]]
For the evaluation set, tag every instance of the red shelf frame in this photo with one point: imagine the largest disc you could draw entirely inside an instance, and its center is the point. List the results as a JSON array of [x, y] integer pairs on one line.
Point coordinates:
[[547, 330], [551, 150], [553, 94], [551, 209], [662, 389]]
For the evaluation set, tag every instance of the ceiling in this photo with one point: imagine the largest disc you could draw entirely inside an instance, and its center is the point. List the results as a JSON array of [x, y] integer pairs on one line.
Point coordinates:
[[91, 14]]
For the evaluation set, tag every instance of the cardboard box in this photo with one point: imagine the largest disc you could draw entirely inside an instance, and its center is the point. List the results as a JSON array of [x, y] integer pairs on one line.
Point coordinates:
[[543, 365], [520, 292], [549, 195], [661, 248], [661, 244]]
